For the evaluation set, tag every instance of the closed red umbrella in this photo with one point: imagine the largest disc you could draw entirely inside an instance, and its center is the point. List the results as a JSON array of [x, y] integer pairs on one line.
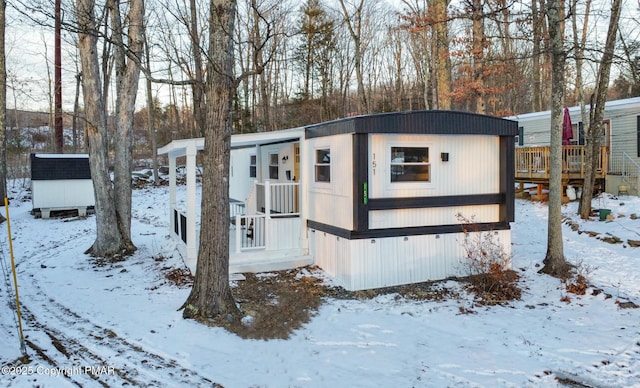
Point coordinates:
[[567, 130]]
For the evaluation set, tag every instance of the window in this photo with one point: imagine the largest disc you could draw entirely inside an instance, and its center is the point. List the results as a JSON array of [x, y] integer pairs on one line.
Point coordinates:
[[323, 165], [410, 164], [252, 166], [273, 166]]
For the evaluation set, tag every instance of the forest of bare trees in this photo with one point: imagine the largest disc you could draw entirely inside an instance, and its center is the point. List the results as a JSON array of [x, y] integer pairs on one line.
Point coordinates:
[[326, 59]]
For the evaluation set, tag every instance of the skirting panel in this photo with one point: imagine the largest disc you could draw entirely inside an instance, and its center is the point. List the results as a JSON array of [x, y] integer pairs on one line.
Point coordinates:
[[391, 261]]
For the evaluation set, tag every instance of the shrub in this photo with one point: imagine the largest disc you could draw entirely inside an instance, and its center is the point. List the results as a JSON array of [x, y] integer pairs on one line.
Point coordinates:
[[488, 265]]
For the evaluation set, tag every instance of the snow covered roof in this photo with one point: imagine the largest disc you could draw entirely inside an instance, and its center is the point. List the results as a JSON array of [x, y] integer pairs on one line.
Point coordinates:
[[609, 106], [179, 147]]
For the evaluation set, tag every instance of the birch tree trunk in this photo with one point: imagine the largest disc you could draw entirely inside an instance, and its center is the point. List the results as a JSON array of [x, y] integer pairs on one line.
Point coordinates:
[[211, 295], [596, 112], [108, 239], [554, 262]]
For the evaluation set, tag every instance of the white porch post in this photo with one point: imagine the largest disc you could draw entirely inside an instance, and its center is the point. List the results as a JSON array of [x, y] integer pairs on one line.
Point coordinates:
[[238, 232], [172, 193], [192, 249], [267, 212], [267, 198], [306, 174]]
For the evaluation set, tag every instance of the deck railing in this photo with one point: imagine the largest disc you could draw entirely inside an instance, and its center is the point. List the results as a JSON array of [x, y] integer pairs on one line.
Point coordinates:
[[533, 162], [631, 172]]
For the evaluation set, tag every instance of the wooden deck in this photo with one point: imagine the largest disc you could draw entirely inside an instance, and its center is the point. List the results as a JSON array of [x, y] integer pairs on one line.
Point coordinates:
[[532, 164]]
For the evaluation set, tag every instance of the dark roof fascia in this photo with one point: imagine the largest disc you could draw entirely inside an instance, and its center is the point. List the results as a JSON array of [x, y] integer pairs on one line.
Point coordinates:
[[425, 122], [407, 231]]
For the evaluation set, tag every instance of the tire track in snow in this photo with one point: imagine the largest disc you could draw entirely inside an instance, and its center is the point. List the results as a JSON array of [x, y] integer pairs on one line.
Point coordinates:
[[85, 343]]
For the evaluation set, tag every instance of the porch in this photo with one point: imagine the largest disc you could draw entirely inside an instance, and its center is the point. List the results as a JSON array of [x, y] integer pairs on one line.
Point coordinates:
[[266, 232], [269, 239], [532, 165]]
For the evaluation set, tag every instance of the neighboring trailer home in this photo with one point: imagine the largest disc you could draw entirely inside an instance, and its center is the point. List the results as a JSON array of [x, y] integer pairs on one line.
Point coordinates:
[[374, 200], [61, 182], [620, 140]]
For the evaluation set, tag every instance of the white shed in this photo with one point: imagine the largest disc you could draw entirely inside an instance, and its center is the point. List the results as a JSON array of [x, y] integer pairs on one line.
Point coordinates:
[[61, 182]]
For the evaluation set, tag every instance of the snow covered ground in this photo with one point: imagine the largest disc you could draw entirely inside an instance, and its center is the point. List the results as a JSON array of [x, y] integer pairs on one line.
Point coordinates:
[[121, 322]]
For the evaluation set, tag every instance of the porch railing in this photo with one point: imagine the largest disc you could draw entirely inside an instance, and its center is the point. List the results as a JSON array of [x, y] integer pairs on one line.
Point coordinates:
[[534, 162], [250, 232], [278, 199]]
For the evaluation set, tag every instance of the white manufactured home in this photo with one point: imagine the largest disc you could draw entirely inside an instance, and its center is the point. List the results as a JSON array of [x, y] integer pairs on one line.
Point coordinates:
[[620, 139], [373, 200]]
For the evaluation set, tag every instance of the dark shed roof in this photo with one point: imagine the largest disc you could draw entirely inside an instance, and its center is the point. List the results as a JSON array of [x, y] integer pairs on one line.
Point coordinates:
[[59, 166], [433, 122]]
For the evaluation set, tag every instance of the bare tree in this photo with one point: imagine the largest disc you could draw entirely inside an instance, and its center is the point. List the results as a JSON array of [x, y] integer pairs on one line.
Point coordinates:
[[128, 56], [211, 295], [113, 200], [596, 112], [151, 124], [354, 19], [441, 67], [554, 261], [108, 240], [415, 15]]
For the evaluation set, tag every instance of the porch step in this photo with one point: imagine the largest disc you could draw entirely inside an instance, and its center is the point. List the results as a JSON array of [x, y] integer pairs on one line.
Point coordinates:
[[262, 261]]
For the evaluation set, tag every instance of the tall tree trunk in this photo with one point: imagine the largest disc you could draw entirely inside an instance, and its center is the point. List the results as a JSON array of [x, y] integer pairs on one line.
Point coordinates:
[[536, 91], [354, 25], [258, 62], [108, 240], [127, 77], [442, 58], [151, 113], [555, 263], [76, 110], [596, 111], [197, 89], [57, 121], [211, 295], [477, 53]]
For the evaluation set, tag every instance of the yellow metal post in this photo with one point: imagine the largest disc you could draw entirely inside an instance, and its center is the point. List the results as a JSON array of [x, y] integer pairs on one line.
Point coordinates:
[[23, 348]]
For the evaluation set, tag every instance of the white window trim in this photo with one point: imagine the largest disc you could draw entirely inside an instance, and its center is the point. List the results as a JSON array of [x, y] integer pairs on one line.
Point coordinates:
[[253, 157], [276, 165], [322, 185], [411, 184]]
